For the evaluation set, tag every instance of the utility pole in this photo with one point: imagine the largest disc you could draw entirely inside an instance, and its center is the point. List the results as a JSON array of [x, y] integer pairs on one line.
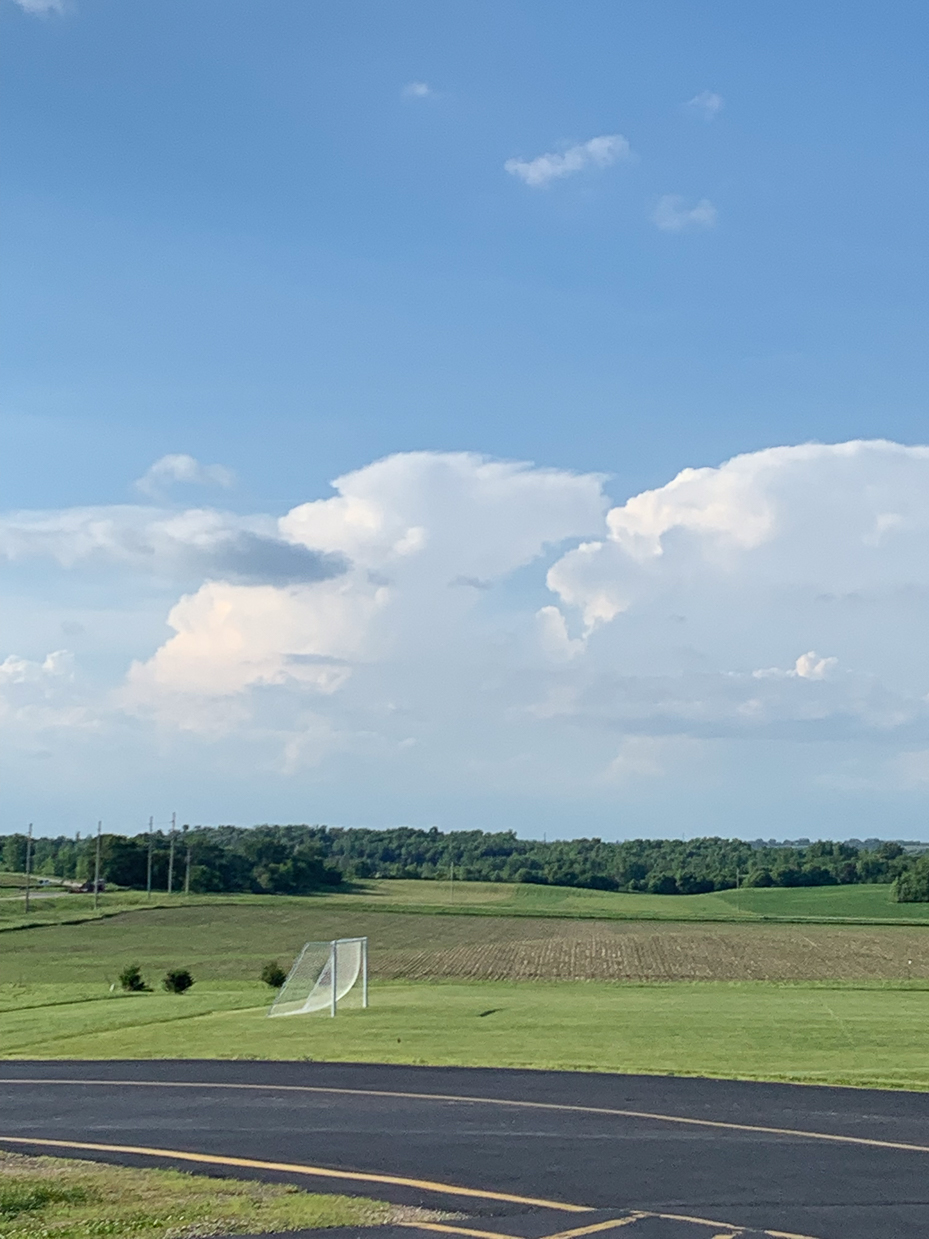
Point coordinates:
[[97, 869], [148, 871], [187, 867], [171, 854], [28, 862]]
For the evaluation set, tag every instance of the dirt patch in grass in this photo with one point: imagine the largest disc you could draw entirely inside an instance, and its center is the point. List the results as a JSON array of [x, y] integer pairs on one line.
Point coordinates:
[[57, 1198]]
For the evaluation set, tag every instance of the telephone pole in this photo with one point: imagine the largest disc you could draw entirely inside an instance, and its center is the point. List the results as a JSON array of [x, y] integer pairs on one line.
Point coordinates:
[[28, 862], [97, 869], [148, 871], [171, 854], [187, 867]]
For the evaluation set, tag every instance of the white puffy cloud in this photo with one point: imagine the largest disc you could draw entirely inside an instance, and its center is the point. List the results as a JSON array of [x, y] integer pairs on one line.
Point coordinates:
[[808, 666], [53, 667], [414, 529], [706, 104], [177, 468], [459, 621], [672, 214], [697, 583], [597, 152]]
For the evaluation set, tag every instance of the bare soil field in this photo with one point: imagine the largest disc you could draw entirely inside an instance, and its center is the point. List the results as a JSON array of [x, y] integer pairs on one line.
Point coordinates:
[[515, 950]]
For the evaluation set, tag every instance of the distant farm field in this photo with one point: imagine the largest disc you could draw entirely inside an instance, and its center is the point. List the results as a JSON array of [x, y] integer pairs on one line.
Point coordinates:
[[861, 904], [229, 942]]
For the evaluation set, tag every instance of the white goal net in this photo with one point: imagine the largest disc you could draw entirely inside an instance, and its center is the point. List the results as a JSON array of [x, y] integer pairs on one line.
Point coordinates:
[[322, 976]]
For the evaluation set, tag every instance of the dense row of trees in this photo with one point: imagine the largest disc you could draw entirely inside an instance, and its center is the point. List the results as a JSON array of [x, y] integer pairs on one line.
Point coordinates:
[[302, 859]]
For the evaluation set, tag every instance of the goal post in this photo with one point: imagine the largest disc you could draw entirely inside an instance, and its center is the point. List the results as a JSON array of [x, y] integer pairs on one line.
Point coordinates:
[[322, 975]]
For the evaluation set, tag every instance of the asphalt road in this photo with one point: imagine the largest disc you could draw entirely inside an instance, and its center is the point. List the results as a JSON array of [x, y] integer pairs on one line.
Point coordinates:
[[658, 1158]]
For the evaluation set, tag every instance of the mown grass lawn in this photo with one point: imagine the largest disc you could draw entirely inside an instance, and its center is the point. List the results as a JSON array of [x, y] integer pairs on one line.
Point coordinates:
[[874, 1035]]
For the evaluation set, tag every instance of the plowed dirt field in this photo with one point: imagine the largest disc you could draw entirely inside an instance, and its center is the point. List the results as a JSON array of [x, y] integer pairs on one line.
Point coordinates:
[[603, 951]]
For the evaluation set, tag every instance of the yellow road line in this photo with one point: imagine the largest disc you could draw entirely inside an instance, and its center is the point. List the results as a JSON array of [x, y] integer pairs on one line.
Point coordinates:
[[322, 1172], [727, 1226], [429, 1185], [445, 1229], [613, 1224], [650, 1116]]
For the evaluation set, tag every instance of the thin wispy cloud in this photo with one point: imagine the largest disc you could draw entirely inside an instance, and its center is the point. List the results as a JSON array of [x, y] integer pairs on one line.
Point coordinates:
[[41, 8], [179, 467], [417, 90], [596, 153], [673, 215], [707, 105]]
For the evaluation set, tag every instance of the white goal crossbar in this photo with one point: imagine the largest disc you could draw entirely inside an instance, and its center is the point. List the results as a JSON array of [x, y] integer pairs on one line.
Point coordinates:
[[322, 975]]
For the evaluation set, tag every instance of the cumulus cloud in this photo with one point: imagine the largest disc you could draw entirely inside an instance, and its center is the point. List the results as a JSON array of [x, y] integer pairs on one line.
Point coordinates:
[[672, 214], [417, 90], [409, 526], [501, 623], [707, 105], [704, 576], [597, 153], [57, 665], [808, 666], [181, 468]]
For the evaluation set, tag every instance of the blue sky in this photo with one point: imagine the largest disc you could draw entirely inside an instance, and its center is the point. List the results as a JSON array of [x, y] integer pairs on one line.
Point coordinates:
[[288, 240]]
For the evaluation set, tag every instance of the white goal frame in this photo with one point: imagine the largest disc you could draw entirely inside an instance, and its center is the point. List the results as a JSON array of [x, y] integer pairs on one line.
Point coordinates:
[[330, 982]]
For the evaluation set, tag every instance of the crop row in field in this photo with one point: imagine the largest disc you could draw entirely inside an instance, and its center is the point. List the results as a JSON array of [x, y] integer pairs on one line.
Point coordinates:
[[231, 942]]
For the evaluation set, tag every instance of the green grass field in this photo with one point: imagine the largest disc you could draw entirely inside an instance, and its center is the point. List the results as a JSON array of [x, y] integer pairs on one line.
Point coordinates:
[[875, 1035], [863, 904], [830, 1002]]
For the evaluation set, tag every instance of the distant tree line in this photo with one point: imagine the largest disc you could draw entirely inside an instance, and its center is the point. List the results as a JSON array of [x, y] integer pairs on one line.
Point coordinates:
[[302, 859]]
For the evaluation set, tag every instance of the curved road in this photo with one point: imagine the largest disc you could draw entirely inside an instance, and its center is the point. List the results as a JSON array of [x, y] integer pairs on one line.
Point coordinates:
[[521, 1155]]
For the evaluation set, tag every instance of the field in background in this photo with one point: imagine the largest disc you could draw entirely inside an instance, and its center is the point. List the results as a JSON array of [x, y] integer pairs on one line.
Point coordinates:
[[863, 904], [231, 942]]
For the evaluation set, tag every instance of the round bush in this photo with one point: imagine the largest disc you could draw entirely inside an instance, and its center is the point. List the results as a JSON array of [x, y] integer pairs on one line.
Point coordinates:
[[177, 980], [273, 974]]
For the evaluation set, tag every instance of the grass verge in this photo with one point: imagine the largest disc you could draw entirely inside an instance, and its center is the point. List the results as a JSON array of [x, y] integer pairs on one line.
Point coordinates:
[[827, 1033], [57, 1198]]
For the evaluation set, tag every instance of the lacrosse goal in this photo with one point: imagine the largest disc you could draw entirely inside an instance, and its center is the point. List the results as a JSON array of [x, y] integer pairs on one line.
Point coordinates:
[[322, 975]]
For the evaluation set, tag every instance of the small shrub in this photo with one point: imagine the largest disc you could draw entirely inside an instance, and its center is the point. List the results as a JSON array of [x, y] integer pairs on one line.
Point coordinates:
[[177, 980], [131, 979], [273, 974]]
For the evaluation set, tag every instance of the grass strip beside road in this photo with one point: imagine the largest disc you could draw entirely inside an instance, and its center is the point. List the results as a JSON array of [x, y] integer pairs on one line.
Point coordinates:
[[56, 1198], [871, 1035]]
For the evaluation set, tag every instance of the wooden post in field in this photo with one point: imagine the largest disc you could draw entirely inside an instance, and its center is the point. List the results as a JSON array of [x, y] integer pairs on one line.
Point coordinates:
[[28, 862], [97, 869], [187, 866]]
